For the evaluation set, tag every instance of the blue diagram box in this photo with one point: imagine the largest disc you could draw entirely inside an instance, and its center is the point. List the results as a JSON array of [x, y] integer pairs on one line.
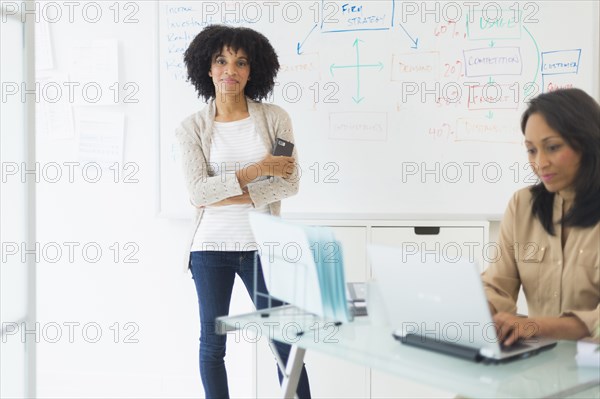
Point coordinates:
[[560, 61], [348, 16]]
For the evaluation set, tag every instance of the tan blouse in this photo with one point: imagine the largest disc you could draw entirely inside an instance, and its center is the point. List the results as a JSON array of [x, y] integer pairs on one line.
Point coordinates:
[[557, 281]]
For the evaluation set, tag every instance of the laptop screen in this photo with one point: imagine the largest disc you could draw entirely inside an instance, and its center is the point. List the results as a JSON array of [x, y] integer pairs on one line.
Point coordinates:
[[437, 299]]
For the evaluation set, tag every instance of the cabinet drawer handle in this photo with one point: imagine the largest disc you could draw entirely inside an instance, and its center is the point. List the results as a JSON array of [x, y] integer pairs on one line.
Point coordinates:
[[427, 230]]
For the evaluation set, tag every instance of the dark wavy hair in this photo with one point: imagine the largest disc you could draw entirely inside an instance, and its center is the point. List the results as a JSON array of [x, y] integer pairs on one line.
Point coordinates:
[[576, 117], [211, 40]]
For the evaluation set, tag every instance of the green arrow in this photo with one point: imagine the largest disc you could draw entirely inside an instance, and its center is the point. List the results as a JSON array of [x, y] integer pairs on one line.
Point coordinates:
[[537, 69], [358, 98], [378, 65]]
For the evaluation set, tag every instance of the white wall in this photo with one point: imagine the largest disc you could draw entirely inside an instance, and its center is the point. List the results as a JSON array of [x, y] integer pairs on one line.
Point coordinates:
[[13, 211], [154, 295]]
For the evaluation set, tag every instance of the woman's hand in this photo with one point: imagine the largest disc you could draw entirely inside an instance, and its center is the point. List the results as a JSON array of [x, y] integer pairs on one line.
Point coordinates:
[[511, 328], [270, 165], [279, 166]]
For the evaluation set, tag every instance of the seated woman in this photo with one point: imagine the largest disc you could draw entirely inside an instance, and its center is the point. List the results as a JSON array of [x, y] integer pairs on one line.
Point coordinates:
[[550, 234]]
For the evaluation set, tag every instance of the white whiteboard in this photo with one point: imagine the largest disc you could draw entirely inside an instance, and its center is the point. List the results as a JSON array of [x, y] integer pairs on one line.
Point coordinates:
[[398, 107]]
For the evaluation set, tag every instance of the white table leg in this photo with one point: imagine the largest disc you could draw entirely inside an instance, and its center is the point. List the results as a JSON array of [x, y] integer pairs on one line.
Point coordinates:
[[292, 372]]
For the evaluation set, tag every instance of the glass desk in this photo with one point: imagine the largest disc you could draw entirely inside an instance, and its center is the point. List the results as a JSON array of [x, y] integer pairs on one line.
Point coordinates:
[[552, 373]]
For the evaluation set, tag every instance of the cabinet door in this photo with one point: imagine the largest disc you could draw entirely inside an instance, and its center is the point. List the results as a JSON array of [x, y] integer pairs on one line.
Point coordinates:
[[354, 251], [444, 243], [329, 377]]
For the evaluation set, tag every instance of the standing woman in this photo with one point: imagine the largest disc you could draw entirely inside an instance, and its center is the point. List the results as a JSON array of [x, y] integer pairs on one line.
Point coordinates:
[[226, 160], [550, 234]]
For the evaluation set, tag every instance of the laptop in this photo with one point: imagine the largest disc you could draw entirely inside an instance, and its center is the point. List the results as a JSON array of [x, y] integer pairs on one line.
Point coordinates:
[[441, 306]]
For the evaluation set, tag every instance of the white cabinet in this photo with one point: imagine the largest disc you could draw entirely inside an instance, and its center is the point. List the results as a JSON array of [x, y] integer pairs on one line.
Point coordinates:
[[354, 250], [440, 243]]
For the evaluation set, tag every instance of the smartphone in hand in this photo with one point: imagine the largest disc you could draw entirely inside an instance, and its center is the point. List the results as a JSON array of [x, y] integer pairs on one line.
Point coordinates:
[[283, 148]]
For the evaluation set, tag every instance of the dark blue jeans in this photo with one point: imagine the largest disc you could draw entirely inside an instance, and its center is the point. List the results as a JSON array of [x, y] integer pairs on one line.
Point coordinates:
[[214, 273]]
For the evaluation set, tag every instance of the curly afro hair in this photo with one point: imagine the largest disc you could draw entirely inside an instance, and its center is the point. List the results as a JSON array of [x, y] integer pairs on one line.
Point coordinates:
[[211, 40]]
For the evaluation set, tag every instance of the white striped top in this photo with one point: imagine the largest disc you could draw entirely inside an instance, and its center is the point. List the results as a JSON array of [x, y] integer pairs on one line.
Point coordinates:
[[234, 146]]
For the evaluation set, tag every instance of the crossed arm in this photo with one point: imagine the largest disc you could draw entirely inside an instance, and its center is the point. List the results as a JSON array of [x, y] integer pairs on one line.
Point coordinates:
[[269, 166]]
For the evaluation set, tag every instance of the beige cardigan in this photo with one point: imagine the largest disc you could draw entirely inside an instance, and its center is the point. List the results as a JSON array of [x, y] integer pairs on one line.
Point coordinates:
[[204, 187]]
